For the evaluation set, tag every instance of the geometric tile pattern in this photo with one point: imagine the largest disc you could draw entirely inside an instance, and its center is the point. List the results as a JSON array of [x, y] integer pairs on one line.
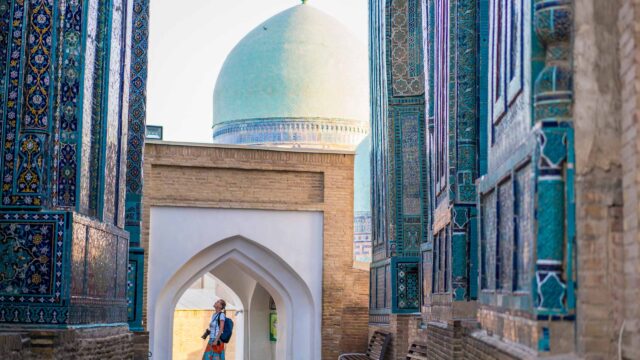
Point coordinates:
[[406, 48], [48, 252], [135, 146], [408, 286], [137, 95], [399, 164], [65, 159], [553, 100], [452, 62]]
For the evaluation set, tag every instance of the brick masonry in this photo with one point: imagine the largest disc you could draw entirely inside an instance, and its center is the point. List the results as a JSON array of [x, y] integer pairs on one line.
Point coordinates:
[[87, 344], [628, 20], [599, 170], [273, 179]]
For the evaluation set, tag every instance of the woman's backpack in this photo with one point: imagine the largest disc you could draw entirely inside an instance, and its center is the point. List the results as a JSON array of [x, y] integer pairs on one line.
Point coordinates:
[[228, 329]]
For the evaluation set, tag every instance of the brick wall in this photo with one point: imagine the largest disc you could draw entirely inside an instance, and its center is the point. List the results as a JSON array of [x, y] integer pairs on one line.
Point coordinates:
[[273, 179], [87, 344], [629, 17], [599, 197], [444, 340], [401, 333], [453, 340], [478, 345]]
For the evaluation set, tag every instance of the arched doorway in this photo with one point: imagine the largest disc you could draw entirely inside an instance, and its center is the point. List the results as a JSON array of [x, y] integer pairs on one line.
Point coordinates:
[[299, 312], [193, 313]]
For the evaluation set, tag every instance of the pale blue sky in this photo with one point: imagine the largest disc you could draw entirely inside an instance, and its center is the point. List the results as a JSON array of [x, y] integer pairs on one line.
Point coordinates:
[[187, 47]]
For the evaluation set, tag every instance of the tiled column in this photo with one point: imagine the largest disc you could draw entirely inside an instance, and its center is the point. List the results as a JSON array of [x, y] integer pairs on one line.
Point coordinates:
[[553, 99]]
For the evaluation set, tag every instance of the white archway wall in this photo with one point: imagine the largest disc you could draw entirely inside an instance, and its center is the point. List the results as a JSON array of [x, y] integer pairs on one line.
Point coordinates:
[[199, 299], [243, 286], [185, 242], [260, 348]]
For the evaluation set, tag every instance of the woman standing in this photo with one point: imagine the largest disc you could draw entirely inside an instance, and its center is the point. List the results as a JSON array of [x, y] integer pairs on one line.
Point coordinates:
[[215, 347]]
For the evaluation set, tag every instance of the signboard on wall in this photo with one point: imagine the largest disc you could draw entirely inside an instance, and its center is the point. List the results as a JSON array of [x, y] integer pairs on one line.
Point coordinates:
[[153, 132]]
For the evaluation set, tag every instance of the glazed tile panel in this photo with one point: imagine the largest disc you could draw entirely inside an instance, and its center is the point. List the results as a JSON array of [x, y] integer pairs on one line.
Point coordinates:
[[408, 286], [489, 243], [33, 281], [410, 162], [87, 110], [79, 261], [406, 48], [123, 138], [112, 133], [101, 263], [66, 146], [98, 103], [505, 236], [524, 201], [122, 257], [38, 65]]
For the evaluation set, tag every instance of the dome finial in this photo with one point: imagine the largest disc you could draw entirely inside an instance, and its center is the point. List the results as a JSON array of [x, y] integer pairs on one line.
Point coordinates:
[[304, 2]]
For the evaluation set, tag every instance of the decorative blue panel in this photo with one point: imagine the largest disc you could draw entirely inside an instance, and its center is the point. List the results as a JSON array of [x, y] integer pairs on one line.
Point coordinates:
[[553, 99], [98, 105], [137, 116], [524, 253], [505, 236], [466, 102], [459, 266], [137, 96], [15, 92], [33, 284], [490, 234], [408, 286], [135, 281], [379, 130], [134, 159], [30, 261], [5, 25], [399, 165], [38, 65], [59, 268], [30, 171], [407, 69], [410, 130], [65, 160]]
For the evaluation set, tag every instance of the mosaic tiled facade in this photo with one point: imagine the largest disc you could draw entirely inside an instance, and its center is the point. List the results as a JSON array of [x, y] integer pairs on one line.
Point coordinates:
[[483, 196], [400, 194], [64, 74], [137, 90]]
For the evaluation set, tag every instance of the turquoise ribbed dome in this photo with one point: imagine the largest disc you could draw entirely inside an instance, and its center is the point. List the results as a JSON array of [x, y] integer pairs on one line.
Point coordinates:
[[300, 65]]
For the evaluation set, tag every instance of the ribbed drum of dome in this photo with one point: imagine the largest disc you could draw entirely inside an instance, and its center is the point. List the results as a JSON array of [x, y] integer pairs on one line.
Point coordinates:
[[297, 80]]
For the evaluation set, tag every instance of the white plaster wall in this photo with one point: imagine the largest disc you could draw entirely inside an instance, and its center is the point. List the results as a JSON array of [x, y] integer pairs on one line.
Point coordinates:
[[243, 286], [184, 245], [260, 346]]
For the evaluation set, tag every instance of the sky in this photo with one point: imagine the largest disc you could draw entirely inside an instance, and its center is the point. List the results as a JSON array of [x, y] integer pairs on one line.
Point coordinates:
[[189, 43]]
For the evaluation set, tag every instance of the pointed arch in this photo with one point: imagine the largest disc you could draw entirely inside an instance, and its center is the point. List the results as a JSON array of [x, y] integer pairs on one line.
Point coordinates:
[[299, 323]]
